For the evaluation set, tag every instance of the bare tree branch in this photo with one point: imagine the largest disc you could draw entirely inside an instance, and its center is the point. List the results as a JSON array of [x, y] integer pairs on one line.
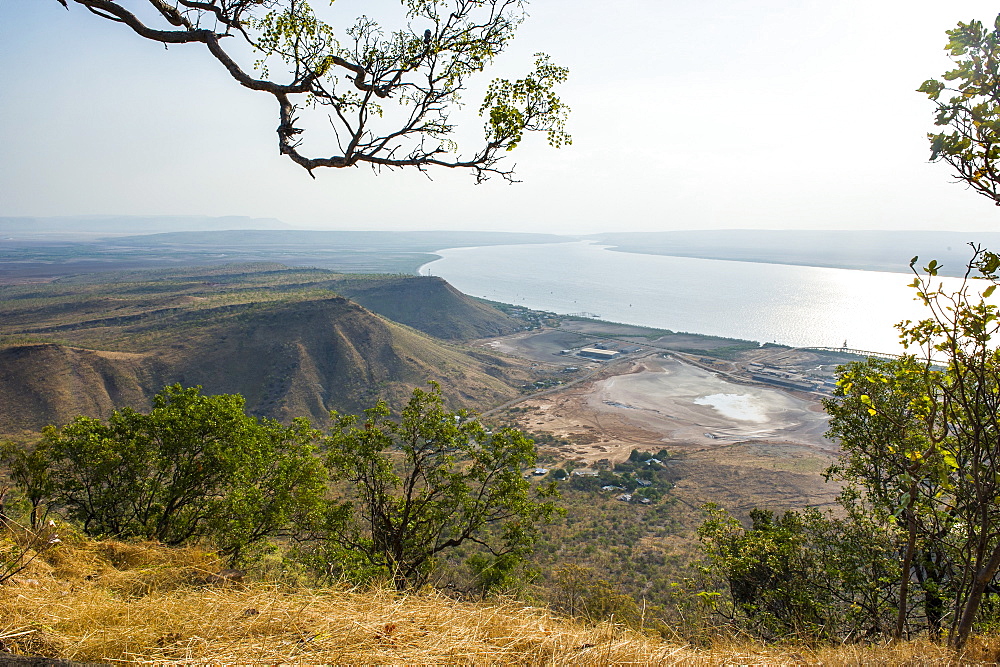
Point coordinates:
[[390, 93]]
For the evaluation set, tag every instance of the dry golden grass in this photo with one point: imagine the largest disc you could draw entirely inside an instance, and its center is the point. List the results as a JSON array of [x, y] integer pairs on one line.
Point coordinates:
[[143, 603]]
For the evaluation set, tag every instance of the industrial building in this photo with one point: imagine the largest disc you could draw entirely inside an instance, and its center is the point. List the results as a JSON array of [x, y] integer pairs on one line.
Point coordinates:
[[594, 353]]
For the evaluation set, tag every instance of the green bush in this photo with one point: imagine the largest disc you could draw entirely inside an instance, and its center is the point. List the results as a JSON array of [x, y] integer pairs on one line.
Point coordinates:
[[196, 467]]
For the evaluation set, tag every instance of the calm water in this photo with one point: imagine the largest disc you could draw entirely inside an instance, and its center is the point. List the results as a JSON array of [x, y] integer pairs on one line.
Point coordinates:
[[793, 305]]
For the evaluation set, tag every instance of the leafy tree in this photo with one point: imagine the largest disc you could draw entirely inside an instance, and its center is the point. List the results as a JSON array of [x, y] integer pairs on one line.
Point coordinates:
[[959, 333], [29, 470], [571, 583], [892, 437], [970, 109], [921, 438], [422, 485], [195, 467], [388, 94], [579, 592], [277, 486], [498, 575], [803, 574]]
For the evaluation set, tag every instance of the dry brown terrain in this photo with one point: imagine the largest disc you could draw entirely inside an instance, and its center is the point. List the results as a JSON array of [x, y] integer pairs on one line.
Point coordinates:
[[736, 443], [663, 402], [110, 602]]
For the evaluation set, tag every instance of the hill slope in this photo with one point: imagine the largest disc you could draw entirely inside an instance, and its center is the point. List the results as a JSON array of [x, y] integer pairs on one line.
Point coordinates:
[[431, 305], [284, 339], [304, 358], [47, 383]]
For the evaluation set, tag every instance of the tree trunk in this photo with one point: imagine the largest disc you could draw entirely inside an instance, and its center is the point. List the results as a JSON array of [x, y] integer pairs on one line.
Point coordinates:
[[911, 542], [975, 599]]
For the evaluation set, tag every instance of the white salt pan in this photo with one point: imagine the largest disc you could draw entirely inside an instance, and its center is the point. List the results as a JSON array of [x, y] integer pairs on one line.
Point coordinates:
[[743, 407]]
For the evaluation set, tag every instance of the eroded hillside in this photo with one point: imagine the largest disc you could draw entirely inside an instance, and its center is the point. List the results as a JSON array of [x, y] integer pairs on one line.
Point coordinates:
[[289, 340]]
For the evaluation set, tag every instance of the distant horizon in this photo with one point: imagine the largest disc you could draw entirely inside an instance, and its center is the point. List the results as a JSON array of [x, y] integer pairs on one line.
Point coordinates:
[[282, 225], [67, 241]]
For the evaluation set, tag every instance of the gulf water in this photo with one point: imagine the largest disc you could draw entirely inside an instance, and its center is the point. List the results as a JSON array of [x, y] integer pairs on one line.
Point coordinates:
[[801, 306]]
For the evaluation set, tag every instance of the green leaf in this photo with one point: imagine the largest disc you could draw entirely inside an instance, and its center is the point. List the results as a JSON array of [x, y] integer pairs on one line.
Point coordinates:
[[949, 459]]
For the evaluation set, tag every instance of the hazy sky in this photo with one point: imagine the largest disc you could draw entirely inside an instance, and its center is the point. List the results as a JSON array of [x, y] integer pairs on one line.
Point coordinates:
[[714, 114]]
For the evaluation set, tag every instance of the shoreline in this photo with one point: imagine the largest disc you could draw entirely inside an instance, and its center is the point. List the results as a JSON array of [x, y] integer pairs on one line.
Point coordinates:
[[801, 306], [803, 376]]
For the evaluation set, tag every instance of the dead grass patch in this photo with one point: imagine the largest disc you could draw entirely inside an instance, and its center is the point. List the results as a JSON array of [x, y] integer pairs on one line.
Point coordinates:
[[145, 603], [266, 624]]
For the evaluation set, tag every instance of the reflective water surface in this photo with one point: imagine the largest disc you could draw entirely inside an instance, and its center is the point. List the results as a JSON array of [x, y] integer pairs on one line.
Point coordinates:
[[792, 305]]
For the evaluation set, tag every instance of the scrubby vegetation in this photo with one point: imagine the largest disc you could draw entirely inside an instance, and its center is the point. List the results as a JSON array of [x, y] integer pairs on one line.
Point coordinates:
[[431, 499], [434, 498]]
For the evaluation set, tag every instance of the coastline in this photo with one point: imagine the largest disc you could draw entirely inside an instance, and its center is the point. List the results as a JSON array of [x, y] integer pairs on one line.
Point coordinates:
[[797, 305]]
